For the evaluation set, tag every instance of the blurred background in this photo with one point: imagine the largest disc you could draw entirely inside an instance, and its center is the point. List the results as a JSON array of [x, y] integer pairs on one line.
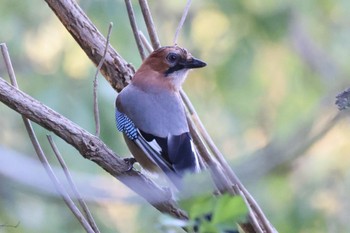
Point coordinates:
[[266, 97]]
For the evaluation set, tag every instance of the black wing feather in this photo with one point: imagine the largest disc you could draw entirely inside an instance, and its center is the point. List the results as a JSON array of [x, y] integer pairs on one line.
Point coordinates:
[[177, 151]]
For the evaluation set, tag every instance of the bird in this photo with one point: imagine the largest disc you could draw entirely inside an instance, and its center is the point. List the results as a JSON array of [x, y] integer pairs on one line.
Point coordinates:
[[151, 116]]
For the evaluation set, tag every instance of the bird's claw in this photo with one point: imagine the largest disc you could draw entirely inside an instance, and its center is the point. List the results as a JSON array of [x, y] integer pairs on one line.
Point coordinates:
[[130, 162]]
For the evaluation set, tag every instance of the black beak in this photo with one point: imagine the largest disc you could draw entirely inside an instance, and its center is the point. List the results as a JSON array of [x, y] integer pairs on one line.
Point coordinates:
[[194, 63]]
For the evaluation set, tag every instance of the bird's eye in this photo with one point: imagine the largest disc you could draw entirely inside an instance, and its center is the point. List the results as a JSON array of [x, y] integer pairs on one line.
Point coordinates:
[[172, 57]]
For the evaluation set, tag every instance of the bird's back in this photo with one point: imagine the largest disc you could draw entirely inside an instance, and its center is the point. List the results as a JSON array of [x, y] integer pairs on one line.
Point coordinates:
[[155, 112]]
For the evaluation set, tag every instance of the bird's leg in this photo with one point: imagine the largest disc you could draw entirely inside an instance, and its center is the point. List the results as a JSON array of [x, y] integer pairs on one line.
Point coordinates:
[[130, 162]]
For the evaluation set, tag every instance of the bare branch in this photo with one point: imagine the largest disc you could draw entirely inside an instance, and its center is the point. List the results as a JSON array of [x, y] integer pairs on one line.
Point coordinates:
[[145, 42], [96, 108], [81, 201], [40, 152], [227, 170], [134, 28], [54, 179], [252, 217], [8, 64], [182, 20], [115, 69], [89, 146], [149, 24]]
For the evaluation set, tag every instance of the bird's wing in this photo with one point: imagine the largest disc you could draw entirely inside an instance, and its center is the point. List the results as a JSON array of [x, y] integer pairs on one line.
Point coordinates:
[[150, 147], [182, 154], [177, 150]]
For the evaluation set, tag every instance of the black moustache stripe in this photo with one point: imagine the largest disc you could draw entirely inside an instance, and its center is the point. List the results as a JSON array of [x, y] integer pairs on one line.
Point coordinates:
[[174, 68]]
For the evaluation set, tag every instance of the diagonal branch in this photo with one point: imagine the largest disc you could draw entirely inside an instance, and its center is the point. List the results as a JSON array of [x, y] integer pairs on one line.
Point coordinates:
[[182, 20], [72, 185], [40, 153], [134, 28], [66, 198], [96, 109], [115, 69], [89, 146], [149, 24]]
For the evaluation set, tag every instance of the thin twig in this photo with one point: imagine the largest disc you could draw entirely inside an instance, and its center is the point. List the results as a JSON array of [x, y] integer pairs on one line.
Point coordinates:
[[145, 42], [134, 28], [228, 171], [182, 20], [208, 140], [96, 108], [8, 64], [73, 186], [220, 180], [54, 179], [40, 152], [149, 24], [251, 214]]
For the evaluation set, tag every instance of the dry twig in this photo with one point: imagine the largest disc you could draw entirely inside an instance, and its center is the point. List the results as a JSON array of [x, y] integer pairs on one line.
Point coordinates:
[[115, 69], [72, 185], [182, 20], [40, 152], [145, 42], [96, 108], [55, 181], [149, 24], [134, 28]]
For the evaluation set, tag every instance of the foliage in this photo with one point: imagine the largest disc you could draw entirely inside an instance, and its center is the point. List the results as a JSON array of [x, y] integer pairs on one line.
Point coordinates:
[[210, 214]]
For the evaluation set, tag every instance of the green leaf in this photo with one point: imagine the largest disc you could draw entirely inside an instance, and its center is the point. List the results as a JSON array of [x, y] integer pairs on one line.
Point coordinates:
[[229, 210], [197, 207], [208, 227]]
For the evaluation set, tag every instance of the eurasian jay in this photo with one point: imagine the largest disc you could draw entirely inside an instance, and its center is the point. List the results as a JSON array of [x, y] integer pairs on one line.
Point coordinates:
[[150, 113]]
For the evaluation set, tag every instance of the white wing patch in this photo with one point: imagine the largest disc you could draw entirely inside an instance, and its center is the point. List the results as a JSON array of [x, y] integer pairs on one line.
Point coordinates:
[[198, 168], [155, 146]]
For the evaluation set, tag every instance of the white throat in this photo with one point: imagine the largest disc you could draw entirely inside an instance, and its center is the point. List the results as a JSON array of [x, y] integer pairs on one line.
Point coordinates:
[[178, 77]]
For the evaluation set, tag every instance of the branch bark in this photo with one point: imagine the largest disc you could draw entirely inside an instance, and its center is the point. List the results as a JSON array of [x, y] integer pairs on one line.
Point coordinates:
[[89, 146], [115, 69]]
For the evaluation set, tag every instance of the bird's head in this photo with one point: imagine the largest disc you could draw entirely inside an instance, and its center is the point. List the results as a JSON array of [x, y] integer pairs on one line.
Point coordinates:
[[169, 64]]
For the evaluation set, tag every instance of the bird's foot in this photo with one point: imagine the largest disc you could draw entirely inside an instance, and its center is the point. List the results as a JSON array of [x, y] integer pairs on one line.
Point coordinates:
[[130, 162]]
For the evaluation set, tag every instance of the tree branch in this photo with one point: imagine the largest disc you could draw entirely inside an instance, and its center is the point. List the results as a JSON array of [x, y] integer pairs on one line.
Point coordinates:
[[134, 28], [89, 146], [73, 187], [60, 189], [149, 24], [96, 108], [115, 69]]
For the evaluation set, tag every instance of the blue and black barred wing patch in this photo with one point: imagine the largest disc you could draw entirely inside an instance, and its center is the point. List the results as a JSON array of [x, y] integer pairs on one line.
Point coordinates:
[[125, 125], [149, 147]]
